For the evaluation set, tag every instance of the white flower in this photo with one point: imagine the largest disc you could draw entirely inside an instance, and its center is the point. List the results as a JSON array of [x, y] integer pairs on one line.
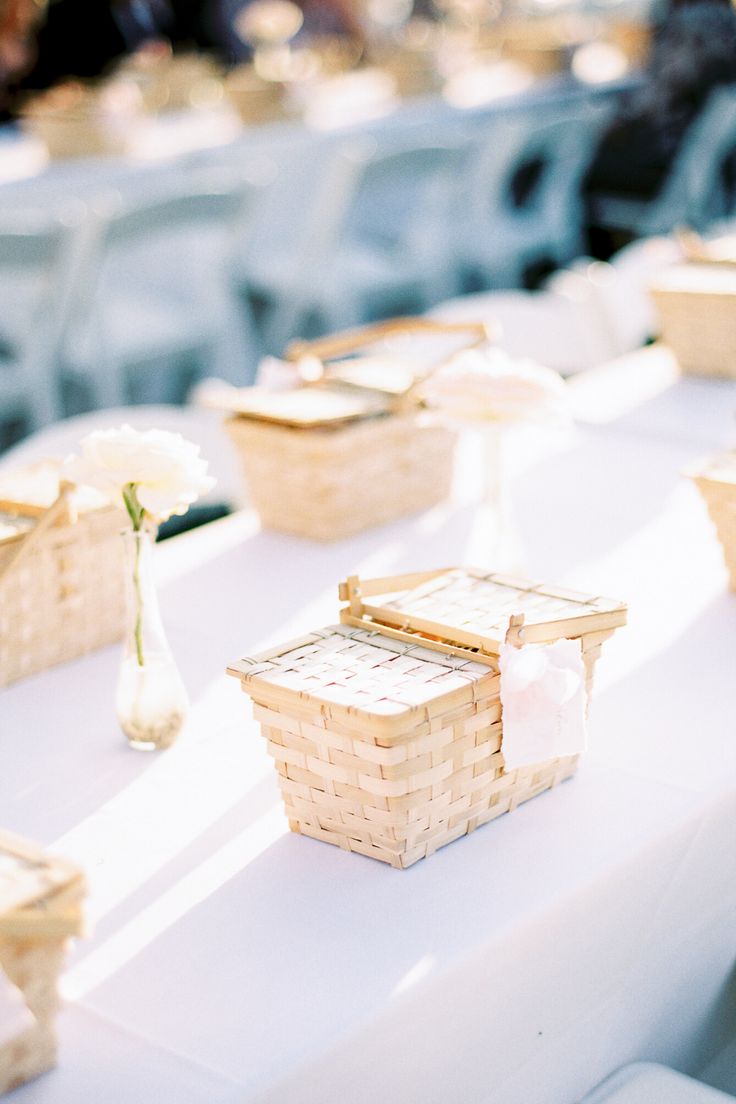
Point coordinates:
[[167, 470], [488, 385]]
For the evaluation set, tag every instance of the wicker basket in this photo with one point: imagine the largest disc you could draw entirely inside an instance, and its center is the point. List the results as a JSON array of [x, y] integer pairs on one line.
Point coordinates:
[[387, 730], [413, 68], [716, 481], [174, 83], [255, 99], [543, 46], [331, 460], [40, 908], [696, 304], [61, 572], [75, 120]]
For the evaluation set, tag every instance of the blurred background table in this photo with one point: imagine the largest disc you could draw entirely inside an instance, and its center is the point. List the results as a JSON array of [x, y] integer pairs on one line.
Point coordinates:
[[590, 928], [325, 226]]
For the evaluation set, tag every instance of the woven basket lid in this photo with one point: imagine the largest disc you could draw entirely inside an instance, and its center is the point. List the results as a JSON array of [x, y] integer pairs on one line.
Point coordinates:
[[698, 250], [32, 881], [470, 611], [348, 672], [31, 491], [697, 279], [716, 469], [306, 407]]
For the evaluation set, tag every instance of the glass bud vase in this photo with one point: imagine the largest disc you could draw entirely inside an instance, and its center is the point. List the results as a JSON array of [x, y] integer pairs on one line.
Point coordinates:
[[151, 701], [503, 544]]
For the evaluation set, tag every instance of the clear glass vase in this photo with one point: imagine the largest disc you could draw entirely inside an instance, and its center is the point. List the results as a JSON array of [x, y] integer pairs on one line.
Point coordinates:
[[502, 538], [150, 701]]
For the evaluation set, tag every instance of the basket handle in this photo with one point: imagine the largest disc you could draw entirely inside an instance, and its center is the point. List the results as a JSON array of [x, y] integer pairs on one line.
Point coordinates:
[[324, 348], [354, 588], [59, 510], [515, 631]]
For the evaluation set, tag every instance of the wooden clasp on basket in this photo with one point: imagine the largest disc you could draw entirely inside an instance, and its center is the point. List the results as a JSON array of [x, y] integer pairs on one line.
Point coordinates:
[[514, 633], [350, 592]]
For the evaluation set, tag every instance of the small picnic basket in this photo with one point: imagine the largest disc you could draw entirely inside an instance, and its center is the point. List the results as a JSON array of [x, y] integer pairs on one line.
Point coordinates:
[[716, 481], [387, 729], [696, 304], [354, 449], [40, 909], [61, 571]]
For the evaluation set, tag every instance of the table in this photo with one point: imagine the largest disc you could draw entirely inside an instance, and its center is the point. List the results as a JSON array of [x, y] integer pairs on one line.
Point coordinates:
[[192, 142], [591, 928]]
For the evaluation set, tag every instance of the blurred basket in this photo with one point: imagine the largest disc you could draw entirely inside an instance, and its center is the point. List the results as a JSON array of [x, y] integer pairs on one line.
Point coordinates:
[[333, 459], [696, 304], [716, 481], [412, 62], [387, 729], [633, 38], [84, 121], [67, 135], [40, 908], [176, 82], [543, 46], [61, 566], [256, 100]]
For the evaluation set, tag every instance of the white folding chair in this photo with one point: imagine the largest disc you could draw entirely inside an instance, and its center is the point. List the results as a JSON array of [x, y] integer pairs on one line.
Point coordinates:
[[155, 295], [693, 192], [524, 202], [375, 242], [35, 254], [583, 315]]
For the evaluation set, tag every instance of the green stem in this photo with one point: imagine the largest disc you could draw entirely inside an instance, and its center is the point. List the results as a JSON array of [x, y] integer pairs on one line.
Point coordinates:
[[136, 514], [138, 631]]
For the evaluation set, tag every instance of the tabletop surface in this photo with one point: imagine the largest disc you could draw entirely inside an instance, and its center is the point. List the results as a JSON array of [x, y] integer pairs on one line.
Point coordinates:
[[271, 967]]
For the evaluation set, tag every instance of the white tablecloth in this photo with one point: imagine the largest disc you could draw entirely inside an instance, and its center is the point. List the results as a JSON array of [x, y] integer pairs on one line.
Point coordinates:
[[592, 927]]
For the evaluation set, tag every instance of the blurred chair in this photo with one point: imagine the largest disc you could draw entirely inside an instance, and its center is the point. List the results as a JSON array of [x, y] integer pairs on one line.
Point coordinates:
[[624, 290], [35, 254], [565, 325], [377, 241], [203, 427], [646, 1083], [585, 314], [695, 192], [524, 203], [154, 302]]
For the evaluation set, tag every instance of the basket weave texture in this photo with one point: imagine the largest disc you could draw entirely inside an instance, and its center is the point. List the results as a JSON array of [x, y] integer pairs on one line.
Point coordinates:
[[716, 481], [388, 742], [357, 450], [329, 483], [40, 908], [61, 582], [696, 304]]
